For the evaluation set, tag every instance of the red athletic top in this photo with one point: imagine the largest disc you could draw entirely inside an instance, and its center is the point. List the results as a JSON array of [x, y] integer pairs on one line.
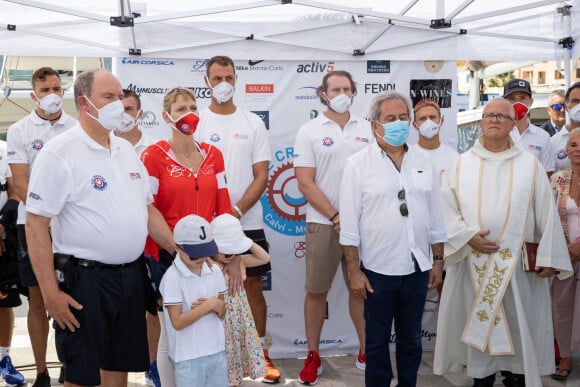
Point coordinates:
[[177, 191]]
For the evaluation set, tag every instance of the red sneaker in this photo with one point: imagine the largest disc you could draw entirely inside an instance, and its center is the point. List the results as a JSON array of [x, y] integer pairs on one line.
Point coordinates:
[[312, 368], [361, 361]]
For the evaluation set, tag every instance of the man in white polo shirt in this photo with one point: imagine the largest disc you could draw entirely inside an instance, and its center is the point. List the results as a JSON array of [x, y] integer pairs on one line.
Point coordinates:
[[24, 141], [90, 188], [526, 135], [242, 138], [560, 139], [322, 147]]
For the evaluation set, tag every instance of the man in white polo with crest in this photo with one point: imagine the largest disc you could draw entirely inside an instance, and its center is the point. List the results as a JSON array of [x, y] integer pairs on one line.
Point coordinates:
[[494, 315]]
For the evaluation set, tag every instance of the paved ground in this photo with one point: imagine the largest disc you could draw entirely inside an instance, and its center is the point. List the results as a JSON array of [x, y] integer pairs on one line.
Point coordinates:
[[339, 371]]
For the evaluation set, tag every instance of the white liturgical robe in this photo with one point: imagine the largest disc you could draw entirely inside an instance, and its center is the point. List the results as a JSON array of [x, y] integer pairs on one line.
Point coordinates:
[[526, 301]]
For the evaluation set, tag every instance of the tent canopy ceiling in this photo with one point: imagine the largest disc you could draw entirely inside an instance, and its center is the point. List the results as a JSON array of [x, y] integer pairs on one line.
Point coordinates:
[[484, 30]]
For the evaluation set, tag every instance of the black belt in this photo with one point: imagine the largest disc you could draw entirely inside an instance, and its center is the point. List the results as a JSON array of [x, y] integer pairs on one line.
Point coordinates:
[[97, 264]]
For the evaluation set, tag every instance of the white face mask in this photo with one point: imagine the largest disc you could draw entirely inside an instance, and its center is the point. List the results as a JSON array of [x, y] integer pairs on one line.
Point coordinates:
[[110, 115], [574, 113], [340, 103], [51, 103], [127, 124], [429, 129], [223, 92]]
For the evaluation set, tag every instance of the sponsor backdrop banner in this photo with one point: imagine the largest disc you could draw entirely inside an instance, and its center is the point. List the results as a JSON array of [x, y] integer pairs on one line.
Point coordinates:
[[282, 93]]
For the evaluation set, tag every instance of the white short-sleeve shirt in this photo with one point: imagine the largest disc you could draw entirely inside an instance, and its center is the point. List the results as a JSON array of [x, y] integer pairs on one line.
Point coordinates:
[[243, 140], [97, 198], [536, 141], [27, 137], [441, 157], [4, 174], [144, 142], [559, 153], [321, 144], [180, 286]]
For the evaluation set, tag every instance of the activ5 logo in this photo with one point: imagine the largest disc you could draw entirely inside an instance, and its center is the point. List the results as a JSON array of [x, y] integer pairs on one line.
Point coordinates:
[[284, 206], [315, 67]]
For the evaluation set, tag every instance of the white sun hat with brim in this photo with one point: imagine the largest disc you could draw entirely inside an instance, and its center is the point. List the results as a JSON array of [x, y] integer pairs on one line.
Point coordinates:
[[229, 236]]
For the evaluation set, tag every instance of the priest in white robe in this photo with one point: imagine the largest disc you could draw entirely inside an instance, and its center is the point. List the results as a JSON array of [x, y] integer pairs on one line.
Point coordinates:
[[494, 315]]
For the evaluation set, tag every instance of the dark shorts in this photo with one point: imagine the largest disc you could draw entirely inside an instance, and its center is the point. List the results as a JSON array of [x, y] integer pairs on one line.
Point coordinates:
[[158, 268], [27, 277], [10, 298], [112, 334], [9, 278], [259, 237]]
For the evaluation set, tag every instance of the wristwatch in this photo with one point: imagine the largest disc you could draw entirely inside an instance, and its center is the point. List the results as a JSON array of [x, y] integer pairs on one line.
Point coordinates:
[[437, 257]]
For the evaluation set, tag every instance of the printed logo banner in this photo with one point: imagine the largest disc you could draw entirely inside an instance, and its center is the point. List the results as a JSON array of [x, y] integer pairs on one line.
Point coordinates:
[[283, 95]]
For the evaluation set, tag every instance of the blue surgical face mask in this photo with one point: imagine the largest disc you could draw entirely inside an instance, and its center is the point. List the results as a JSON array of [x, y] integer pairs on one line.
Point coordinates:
[[396, 132]]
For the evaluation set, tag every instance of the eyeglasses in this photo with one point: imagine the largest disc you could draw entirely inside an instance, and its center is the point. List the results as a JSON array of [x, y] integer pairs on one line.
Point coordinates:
[[496, 117], [403, 207], [557, 106]]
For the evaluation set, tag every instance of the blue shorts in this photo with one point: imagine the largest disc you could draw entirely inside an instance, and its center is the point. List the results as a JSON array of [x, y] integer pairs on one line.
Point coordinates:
[[205, 371]]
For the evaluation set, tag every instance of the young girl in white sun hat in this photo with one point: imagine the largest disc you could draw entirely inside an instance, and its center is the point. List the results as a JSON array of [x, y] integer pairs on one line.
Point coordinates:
[[243, 347]]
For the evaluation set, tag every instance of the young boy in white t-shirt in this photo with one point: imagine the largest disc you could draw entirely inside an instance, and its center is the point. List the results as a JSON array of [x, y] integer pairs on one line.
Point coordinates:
[[193, 295]]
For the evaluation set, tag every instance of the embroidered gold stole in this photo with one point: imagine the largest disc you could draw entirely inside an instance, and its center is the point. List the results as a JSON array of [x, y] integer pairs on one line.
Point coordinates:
[[491, 273]]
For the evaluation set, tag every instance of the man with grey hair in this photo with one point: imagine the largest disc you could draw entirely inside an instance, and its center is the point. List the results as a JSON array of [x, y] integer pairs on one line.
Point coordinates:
[[91, 187], [390, 215], [494, 311], [557, 111]]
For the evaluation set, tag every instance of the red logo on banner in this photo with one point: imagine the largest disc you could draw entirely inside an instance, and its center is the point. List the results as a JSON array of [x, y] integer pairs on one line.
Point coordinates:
[[263, 88]]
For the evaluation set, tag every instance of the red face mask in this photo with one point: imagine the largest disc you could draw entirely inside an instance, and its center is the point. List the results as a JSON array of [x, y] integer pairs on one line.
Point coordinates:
[[521, 109], [187, 123]]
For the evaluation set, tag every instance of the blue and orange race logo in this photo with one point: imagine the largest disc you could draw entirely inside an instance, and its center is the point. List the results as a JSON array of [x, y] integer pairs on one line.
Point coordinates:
[[99, 183], [284, 206]]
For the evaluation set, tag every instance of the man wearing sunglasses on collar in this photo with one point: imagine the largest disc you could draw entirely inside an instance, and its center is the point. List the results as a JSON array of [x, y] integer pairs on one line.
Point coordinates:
[[391, 214], [560, 139], [557, 111]]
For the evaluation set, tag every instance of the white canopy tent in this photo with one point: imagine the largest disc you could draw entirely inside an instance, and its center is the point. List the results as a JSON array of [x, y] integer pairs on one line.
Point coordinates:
[[491, 30]]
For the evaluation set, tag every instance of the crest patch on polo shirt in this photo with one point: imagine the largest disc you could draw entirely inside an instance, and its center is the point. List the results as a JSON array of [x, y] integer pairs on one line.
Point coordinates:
[[561, 155], [214, 137], [99, 183], [327, 141], [37, 144]]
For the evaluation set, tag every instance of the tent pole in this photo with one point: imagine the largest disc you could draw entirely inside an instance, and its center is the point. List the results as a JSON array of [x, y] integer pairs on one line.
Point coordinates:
[[567, 63]]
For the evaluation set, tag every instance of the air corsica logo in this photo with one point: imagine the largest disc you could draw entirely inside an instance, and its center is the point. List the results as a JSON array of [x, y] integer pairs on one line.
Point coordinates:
[[150, 62], [37, 144], [284, 206], [99, 183]]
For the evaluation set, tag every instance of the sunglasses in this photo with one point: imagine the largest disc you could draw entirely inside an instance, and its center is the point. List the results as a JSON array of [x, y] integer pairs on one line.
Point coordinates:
[[403, 207], [557, 106]]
